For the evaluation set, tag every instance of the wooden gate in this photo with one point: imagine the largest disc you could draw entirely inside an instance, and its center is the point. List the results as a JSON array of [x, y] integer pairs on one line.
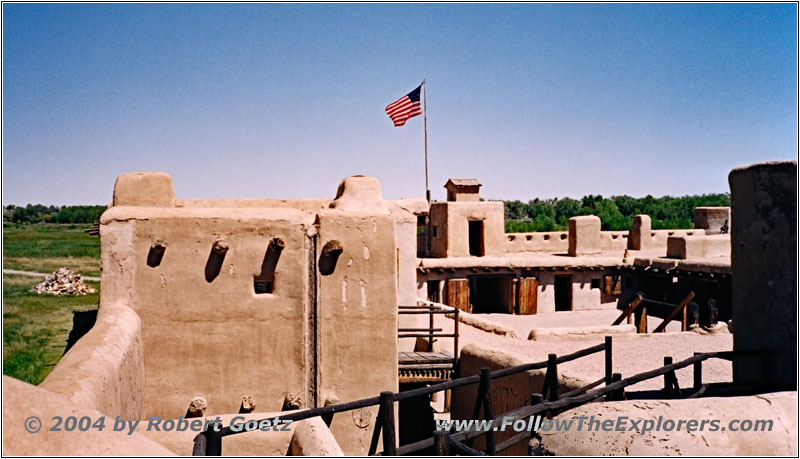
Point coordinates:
[[458, 294], [528, 289]]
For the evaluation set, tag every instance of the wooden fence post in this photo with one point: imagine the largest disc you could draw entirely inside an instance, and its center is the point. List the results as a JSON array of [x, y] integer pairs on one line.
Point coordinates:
[[608, 360], [441, 442], [376, 432], [199, 448], [213, 442], [535, 400], [481, 401], [698, 375], [387, 405], [620, 393], [678, 309], [487, 410], [641, 327], [668, 379], [552, 377]]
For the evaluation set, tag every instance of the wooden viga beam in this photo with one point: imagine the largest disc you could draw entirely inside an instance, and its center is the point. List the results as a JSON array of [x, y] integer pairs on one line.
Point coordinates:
[[672, 315], [629, 310]]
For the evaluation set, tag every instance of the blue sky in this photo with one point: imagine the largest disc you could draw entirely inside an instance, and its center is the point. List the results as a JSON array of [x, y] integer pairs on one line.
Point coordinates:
[[267, 100]]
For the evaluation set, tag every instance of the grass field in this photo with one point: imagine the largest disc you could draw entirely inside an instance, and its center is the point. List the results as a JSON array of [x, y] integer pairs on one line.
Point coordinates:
[[35, 327]]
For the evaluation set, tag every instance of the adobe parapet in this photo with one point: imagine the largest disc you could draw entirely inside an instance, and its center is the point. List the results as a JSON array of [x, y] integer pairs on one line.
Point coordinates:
[[277, 299]]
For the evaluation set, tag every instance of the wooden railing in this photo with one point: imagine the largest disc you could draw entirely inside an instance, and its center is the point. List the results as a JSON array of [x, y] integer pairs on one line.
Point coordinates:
[[431, 332], [446, 443], [209, 443], [640, 303]]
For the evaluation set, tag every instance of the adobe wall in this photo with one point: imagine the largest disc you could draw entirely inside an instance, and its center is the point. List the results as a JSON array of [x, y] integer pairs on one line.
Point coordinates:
[[712, 219], [406, 251], [213, 337], [256, 442], [405, 217], [609, 241], [659, 238], [357, 344], [764, 264], [584, 235], [508, 393], [294, 301], [451, 220], [584, 297], [545, 241], [22, 400], [780, 440], [104, 371], [699, 246]]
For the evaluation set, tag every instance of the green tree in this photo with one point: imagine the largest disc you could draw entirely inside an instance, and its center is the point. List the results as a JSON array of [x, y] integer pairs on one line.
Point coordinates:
[[566, 208]]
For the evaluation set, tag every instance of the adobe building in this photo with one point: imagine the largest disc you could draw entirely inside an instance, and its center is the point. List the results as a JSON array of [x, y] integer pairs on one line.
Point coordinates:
[[289, 302], [294, 303], [475, 266]]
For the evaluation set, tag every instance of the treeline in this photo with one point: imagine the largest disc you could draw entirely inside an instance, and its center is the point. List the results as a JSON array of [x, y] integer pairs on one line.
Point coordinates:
[[616, 213], [38, 213]]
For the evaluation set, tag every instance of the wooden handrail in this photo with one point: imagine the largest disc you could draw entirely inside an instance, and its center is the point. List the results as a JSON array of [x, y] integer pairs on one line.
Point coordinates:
[[678, 310], [395, 397], [629, 310]]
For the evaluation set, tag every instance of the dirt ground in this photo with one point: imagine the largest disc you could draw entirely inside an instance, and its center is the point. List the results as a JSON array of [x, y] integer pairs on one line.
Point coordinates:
[[522, 325], [631, 354]]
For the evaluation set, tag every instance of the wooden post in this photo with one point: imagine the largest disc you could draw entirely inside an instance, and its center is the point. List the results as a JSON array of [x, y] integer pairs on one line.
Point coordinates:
[[430, 328], [619, 394], [698, 375], [551, 378], [389, 443], [455, 341], [608, 360], [480, 400], [376, 432], [535, 400], [199, 448], [482, 389], [628, 311], [487, 410], [678, 309], [213, 442], [441, 442], [667, 379], [642, 325], [684, 324]]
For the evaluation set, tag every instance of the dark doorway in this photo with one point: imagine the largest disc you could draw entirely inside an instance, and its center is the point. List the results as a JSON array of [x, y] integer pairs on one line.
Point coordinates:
[[433, 291], [563, 292], [476, 238], [492, 294], [416, 418]]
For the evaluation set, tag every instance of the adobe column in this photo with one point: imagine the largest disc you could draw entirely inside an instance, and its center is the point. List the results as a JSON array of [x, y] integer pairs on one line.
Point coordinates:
[[764, 269]]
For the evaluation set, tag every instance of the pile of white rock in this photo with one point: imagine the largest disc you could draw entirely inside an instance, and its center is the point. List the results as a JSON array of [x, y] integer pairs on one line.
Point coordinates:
[[63, 282]]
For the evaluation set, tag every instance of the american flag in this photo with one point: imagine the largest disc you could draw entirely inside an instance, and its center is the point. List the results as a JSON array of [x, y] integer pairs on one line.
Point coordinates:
[[404, 108]]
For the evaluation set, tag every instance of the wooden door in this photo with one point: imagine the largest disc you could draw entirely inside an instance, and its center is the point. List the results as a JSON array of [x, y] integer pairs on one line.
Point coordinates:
[[458, 294], [528, 288]]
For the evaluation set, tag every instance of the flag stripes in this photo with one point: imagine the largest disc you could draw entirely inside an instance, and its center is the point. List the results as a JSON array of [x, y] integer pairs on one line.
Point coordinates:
[[404, 108]]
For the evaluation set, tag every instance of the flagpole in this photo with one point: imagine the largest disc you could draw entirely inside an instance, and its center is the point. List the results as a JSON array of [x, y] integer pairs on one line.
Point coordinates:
[[425, 117], [427, 187]]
